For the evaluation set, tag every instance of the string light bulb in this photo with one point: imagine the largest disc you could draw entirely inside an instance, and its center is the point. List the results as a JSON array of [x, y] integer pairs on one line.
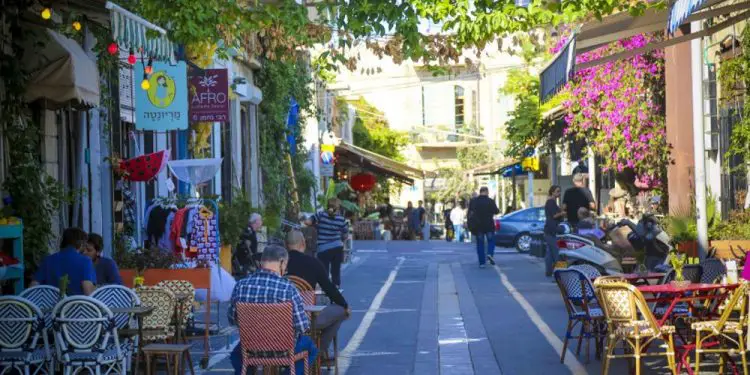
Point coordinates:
[[46, 13], [131, 58], [149, 68], [145, 84], [76, 26], [112, 48]]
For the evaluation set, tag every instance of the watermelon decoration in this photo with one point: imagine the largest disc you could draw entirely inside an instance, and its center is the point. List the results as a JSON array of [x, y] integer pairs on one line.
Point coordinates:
[[145, 167]]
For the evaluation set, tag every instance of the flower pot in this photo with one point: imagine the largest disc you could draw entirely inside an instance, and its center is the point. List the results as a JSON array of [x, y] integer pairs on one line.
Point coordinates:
[[689, 248]]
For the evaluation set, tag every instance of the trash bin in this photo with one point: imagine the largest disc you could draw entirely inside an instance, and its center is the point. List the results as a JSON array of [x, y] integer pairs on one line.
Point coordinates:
[[538, 246]]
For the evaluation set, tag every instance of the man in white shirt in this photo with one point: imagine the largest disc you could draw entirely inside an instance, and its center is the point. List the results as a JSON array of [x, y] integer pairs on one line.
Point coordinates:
[[457, 218]]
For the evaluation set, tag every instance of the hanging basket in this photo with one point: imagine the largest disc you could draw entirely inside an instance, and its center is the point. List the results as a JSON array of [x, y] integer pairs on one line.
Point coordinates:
[[362, 182]]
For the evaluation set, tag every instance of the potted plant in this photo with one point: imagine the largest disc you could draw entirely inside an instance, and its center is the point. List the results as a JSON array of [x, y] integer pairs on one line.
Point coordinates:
[[233, 219], [731, 236], [684, 233]]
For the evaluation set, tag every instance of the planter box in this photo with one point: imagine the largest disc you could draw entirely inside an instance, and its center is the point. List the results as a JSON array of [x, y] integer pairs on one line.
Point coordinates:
[[199, 277], [689, 248], [723, 247]]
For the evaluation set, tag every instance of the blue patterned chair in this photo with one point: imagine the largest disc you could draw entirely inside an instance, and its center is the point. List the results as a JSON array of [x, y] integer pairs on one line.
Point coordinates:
[[118, 296], [86, 337], [21, 327], [45, 297], [582, 307]]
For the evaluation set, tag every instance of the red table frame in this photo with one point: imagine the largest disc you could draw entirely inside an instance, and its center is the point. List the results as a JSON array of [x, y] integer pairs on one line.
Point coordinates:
[[685, 293]]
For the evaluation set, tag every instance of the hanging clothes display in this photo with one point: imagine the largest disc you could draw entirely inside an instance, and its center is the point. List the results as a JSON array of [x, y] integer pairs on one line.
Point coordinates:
[[204, 240]]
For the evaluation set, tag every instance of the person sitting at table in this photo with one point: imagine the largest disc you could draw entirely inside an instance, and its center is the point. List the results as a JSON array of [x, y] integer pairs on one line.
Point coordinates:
[[68, 262], [267, 285], [312, 271], [106, 269]]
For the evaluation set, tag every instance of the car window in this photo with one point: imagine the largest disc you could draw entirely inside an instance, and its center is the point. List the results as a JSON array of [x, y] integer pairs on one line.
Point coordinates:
[[523, 215], [540, 214]]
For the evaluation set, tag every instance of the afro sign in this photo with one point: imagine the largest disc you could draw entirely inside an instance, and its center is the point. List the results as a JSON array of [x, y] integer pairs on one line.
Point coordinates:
[[208, 95]]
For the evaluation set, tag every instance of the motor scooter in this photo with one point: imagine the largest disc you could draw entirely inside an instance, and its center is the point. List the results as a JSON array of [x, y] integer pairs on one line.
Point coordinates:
[[617, 255]]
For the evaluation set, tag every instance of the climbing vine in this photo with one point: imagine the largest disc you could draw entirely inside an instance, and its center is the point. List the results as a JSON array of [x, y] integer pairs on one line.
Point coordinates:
[[281, 81], [734, 74], [34, 196]]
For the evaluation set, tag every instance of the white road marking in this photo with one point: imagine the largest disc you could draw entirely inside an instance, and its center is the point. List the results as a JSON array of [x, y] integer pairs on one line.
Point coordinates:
[[438, 251], [369, 354], [409, 282], [364, 326], [371, 251], [385, 311], [571, 362]]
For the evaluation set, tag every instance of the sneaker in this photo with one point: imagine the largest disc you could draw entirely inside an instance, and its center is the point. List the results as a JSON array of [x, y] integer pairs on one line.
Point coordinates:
[[491, 259], [482, 266]]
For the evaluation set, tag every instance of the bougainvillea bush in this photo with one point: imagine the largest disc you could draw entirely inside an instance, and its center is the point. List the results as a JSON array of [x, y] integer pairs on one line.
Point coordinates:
[[617, 108]]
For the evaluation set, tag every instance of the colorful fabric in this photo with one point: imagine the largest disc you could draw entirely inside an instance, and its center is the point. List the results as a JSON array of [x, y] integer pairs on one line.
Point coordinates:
[[204, 244], [175, 230], [265, 286], [164, 241]]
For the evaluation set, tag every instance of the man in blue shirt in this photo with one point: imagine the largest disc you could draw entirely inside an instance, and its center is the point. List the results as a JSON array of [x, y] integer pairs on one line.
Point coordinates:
[[106, 269], [68, 261], [268, 285]]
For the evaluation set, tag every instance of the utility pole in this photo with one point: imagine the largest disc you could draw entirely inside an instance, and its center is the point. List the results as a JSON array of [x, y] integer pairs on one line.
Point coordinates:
[[699, 151]]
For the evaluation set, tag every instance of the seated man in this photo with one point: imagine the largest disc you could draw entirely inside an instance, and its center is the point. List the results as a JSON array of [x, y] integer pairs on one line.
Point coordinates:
[[312, 271], [268, 286], [68, 262], [106, 268]]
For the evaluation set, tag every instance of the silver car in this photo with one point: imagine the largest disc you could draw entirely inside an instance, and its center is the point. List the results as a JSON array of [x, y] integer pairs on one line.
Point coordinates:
[[514, 229]]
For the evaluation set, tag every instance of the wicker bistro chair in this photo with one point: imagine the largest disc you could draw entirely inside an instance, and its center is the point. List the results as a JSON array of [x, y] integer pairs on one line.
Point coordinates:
[[182, 287], [156, 326], [725, 330], [713, 270], [118, 296], [270, 340], [590, 271], [582, 306], [304, 288], [86, 337], [21, 326], [630, 321], [45, 297]]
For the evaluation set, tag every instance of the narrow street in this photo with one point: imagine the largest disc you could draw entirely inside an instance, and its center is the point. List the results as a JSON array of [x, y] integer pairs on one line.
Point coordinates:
[[426, 308]]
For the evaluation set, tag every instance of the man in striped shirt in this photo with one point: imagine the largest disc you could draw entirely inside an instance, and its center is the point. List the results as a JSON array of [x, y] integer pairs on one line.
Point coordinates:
[[332, 231]]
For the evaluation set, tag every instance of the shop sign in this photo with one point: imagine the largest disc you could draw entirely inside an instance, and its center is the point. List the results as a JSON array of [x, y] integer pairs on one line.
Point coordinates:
[[326, 170], [208, 93], [326, 154], [163, 105]]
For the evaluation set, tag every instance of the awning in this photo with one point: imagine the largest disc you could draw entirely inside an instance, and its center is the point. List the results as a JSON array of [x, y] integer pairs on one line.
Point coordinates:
[[130, 32], [378, 163], [557, 73], [491, 168], [61, 72]]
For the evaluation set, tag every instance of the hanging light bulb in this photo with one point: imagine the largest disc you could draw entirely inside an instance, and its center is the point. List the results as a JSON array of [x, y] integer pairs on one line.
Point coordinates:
[[131, 58], [46, 13], [145, 84], [112, 48], [149, 68], [76, 26]]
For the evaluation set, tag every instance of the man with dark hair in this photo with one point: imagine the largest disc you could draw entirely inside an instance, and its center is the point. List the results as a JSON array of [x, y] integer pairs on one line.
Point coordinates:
[[332, 232], [482, 211], [68, 262], [267, 285], [106, 268], [576, 197]]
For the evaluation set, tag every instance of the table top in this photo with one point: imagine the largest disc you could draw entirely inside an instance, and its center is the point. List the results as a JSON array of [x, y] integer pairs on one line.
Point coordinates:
[[637, 276], [671, 288], [314, 308], [137, 310]]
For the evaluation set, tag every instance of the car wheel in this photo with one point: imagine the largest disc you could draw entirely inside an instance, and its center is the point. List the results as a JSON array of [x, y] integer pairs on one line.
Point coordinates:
[[523, 243]]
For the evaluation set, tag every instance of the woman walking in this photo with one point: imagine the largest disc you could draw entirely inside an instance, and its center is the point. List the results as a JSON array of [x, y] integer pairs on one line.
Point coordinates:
[[553, 215]]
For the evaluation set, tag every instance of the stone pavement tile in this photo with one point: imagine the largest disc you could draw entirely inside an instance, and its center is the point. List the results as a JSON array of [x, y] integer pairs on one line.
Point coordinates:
[[454, 349], [482, 356]]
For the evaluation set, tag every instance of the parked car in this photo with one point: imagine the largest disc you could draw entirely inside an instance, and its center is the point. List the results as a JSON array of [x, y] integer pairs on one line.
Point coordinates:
[[514, 229]]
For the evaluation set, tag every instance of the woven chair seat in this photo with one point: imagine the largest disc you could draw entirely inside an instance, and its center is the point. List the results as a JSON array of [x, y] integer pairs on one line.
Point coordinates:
[[644, 330], [37, 356], [109, 355], [594, 313], [711, 326]]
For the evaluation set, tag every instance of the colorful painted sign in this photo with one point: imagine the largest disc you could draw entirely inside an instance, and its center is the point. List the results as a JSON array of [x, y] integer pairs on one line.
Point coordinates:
[[208, 94], [163, 105], [326, 154]]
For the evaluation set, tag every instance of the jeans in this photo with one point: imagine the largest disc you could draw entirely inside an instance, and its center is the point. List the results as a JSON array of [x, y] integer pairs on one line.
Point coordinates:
[[458, 233], [550, 258], [332, 260], [490, 238], [304, 343]]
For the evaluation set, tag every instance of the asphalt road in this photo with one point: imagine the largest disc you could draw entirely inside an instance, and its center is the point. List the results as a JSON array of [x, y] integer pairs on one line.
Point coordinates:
[[427, 308]]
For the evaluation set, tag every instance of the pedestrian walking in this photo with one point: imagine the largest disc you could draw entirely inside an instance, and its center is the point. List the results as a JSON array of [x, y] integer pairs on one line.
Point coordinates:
[[553, 215], [332, 232], [427, 213], [482, 211], [458, 216], [416, 220], [576, 197], [407, 221]]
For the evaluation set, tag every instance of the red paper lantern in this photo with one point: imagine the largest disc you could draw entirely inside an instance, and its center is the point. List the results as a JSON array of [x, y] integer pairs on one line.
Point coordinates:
[[112, 48], [363, 182]]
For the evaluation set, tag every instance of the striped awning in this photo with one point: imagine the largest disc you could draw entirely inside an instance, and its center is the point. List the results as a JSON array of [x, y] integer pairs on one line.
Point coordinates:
[[130, 32]]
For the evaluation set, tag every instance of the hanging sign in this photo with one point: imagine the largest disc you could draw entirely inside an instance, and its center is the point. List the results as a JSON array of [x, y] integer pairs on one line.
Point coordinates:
[[208, 93], [326, 170], [326, 154], [161, 102]]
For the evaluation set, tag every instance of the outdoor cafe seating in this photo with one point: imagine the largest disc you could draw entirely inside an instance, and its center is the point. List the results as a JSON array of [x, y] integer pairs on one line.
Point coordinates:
[[697, 323]]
